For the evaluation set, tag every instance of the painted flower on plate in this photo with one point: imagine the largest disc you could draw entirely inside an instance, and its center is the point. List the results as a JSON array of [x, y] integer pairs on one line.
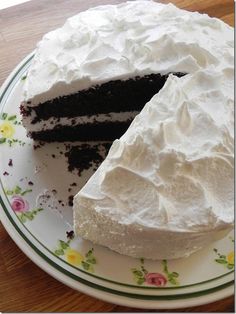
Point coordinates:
[[155, 279], [73, 257], [6, 129], [18, 204]]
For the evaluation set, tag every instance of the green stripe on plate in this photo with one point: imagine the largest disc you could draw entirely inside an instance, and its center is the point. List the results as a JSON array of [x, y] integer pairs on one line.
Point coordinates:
[[8, 89], [102, 288]]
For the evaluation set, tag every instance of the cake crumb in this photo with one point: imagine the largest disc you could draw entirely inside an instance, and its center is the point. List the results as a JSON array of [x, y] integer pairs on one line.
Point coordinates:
[[10, 163], [30, 183], [70, 234], [70, 200], [5, 173]]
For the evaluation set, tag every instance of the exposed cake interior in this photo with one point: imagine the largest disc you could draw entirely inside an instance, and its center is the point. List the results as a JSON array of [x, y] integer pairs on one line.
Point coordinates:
[[102, 112]]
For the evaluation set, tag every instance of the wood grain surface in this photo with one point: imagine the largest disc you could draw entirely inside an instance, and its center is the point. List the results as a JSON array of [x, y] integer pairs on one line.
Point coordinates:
[[23, 286]]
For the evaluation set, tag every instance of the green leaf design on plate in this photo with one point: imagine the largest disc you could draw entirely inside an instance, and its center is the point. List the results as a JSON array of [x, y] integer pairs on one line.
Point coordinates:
[[144, 270], [26, 191], [221, 261], [164, 264], [39, 209], [227, 260], [230, 266], [17, 190], [175, 274], [171, 276], [63, 244], [91, 260], [2, 140], [29, 215], [137, 273], [3, 116], [24, 77], [85, 265], [140, 281], [22, 218], [89, 253], [9, 192], [13, 117], [139, 276], [59, 252]]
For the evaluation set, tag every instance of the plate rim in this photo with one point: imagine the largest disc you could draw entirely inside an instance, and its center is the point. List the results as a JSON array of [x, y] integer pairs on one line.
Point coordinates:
[[99, 277], [3, 91], [171, 302]]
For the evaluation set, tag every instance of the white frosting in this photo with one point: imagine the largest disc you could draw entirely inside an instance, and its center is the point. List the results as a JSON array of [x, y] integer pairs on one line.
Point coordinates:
[[166, 188], [122, 41], [170, 176], [51, 123]]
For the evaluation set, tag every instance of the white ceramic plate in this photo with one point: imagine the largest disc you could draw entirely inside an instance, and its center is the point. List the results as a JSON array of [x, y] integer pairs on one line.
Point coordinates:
[[34, 189]]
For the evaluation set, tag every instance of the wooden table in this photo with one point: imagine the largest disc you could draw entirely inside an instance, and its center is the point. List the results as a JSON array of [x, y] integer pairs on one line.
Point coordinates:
[[23, 286]]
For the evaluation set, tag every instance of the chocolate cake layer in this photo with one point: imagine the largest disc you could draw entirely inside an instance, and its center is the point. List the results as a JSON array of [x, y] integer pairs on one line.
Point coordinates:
[[82, 157], [113, 96], [107, 131]]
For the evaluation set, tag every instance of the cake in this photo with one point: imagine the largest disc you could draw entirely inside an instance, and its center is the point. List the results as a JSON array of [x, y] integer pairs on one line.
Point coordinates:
[[159, 81]]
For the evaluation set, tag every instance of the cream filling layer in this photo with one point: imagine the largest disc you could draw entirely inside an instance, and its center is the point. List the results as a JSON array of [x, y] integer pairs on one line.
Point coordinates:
[[51, 123]]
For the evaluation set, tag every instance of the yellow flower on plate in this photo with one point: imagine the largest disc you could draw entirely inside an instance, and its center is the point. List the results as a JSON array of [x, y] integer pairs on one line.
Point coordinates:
[[6, 129], [73, 257], [230, 258]]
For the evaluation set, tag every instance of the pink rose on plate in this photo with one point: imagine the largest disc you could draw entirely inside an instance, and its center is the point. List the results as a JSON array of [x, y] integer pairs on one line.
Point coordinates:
[[155, 279], [18, 204]]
